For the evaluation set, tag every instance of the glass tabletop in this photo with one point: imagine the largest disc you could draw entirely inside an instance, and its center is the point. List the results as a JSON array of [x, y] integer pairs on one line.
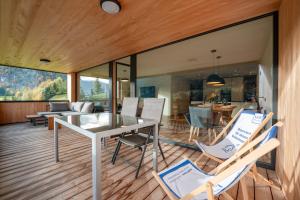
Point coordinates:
[[98, 122]]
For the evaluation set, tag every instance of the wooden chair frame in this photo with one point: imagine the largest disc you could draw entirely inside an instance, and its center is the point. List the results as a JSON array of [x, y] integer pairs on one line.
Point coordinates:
[[244, 157]]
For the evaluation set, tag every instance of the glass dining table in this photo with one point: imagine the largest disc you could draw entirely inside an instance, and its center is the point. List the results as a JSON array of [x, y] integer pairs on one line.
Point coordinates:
[[97, 127]]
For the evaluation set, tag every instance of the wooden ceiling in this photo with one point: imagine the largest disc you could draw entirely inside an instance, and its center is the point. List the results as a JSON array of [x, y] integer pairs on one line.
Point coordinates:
[[77, 34]]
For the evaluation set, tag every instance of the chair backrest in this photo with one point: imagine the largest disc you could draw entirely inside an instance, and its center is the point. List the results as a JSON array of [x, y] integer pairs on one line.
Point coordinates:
[[201, 117], [243, 129], [235, 177], [129, 107], [153, 109]]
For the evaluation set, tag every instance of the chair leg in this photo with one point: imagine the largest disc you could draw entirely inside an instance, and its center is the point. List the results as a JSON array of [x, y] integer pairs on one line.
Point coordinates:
[[244, 189], [161, 151], [191, 133], [141, 161], [209, 134], [116, 152]]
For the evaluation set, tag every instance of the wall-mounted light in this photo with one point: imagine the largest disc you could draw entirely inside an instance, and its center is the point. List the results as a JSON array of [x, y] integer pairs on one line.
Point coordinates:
[[110, 6]]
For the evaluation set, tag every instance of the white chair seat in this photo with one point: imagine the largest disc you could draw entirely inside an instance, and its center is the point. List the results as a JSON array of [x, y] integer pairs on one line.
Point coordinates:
[[182, 178], [223, 150], [244, 128]]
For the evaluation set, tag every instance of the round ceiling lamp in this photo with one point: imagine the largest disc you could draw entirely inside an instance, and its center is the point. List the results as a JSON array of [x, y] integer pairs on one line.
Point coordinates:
[[110, 6]]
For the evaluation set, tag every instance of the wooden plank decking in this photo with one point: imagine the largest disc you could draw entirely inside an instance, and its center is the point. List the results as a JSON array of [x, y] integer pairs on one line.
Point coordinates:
[[28, 170]]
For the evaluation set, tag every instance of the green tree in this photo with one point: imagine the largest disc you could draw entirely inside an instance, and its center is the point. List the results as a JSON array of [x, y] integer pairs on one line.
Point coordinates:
[[82, 94], [92, 92], [97, 87]]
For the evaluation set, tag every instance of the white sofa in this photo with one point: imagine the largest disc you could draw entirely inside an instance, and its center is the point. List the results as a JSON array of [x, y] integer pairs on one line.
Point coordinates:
[[65, 108]]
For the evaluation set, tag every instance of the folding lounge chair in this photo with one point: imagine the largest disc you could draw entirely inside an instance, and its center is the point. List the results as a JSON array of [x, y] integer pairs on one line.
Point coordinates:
[[186, 181], [241, 129]]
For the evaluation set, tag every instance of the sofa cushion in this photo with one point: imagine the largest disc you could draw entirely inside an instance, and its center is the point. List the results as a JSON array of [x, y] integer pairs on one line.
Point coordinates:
[[77, 106], [72, 104], [56, 107], [88, 107]]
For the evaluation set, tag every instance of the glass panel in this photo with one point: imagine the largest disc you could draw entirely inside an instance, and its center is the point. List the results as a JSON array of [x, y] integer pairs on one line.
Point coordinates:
[[20, 84], [94, 85]]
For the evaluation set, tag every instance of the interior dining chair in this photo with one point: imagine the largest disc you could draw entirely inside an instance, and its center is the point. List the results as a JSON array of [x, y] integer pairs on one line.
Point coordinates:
[[201, 118], [129, 106], [186, 180], [153, 109]]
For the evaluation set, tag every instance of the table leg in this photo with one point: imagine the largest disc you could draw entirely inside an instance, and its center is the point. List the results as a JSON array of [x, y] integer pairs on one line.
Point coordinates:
[[96, 167], [155, 146], [56, 141]]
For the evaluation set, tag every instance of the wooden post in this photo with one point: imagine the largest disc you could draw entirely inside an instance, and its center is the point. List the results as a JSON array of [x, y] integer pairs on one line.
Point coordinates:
[[72, 86], [113, 83]]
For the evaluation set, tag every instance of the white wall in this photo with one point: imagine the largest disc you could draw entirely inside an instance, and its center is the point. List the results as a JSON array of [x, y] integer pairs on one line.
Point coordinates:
[[163, 89], [266, 77]]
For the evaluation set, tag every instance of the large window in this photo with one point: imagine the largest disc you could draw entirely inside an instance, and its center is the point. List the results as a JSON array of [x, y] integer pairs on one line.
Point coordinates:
[[94, 85], [20, 84]]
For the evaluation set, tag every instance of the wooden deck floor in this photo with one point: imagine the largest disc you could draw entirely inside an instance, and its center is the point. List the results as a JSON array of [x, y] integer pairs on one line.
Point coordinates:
[[28, 170]]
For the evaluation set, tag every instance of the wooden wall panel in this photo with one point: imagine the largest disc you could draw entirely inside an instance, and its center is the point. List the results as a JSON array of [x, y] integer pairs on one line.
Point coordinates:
[[288, 154], [12, 112]]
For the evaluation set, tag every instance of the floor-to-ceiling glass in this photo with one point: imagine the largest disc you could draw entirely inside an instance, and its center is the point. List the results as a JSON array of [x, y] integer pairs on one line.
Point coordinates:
[[242, 58]]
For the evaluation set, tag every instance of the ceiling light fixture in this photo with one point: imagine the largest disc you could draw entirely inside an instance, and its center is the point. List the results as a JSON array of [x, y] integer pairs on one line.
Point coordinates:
[[213, 79], [222, 80], [110, 6], [124, 79], [45, 61]]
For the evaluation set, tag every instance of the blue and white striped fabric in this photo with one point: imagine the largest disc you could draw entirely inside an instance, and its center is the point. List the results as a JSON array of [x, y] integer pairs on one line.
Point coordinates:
[[242, 130], [184, 177]]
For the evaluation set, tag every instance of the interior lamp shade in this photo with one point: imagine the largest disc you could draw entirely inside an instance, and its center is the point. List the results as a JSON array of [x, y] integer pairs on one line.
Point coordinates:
[[222, 82], [213, 79]]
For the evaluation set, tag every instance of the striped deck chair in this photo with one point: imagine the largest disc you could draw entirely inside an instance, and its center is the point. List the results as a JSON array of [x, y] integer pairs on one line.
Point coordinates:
[[239, 131], [186, 180]]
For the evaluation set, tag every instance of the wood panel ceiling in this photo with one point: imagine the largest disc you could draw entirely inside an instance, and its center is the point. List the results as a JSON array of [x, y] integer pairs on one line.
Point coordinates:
[[77, 34]]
